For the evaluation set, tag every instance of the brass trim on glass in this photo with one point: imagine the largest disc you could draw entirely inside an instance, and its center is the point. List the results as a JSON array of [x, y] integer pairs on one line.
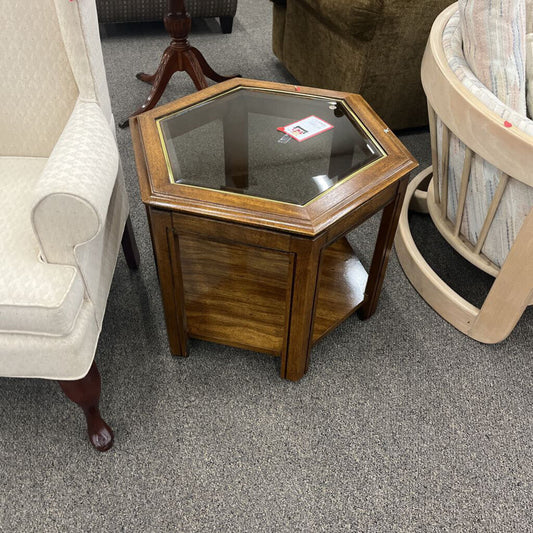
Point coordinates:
[[345, 107]]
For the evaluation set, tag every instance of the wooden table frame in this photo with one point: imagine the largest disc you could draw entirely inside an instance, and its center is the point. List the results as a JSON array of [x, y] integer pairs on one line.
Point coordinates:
[[306, 245]]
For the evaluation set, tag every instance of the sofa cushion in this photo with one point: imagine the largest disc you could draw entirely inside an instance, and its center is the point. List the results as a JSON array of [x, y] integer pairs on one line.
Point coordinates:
[[35, 297], [357, 18]]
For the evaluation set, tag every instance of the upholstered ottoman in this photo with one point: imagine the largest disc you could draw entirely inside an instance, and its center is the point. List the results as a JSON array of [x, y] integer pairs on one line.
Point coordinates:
[[150, 10]]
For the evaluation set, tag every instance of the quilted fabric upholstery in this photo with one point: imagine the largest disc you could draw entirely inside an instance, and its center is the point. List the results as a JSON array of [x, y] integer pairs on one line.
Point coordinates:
[[452, 42], [29, 94], [35, 297], [517, 200], [40, 356], [79, 28], [63, 203], [74, 190]]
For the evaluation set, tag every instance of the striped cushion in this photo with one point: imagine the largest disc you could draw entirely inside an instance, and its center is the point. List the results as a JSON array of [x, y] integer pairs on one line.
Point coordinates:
[[517, 199], [529, 57], [494, 44]]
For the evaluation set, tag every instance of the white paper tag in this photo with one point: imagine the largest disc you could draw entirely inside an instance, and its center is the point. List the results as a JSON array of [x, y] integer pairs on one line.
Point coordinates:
[[306, 128]]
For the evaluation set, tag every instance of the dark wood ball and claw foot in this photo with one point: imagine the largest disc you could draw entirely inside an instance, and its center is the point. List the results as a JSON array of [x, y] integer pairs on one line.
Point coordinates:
[[179, 56], [85, 392]]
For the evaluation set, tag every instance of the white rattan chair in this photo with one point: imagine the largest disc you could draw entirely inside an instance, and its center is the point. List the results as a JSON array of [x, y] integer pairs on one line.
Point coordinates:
[[469, 134]]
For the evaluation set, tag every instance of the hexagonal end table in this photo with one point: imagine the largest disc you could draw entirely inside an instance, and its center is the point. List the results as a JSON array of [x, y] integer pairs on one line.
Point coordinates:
[[250, 188]]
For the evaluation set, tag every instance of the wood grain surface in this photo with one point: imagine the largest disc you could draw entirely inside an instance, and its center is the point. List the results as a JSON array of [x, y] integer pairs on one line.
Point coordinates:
[[341, 287], [260, 274], [235, 294]]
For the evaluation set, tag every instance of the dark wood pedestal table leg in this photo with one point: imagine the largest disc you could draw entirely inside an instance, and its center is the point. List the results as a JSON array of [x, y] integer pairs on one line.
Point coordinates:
[[178, 57]]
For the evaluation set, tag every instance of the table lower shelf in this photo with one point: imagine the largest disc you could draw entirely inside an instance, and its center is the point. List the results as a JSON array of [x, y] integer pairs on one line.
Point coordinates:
[[341, 288]]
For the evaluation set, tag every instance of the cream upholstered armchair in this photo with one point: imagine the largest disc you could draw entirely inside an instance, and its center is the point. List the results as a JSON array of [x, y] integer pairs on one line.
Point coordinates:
[[477, 74], [63, 205]]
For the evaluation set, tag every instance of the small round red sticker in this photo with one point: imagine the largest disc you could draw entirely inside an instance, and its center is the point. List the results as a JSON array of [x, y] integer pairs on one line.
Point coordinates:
[[507, 124]]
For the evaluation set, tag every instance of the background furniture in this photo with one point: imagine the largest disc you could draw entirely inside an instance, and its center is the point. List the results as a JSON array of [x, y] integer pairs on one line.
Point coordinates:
[[373, 48], [151, 10], [179, 56], [480, 193], [249, 233], [63, 206]]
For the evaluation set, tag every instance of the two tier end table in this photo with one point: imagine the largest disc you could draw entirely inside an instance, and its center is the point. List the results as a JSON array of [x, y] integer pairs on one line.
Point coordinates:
[[250, 189]]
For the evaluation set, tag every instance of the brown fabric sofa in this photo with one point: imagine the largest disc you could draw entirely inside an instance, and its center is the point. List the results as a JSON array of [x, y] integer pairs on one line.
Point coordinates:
[[371, 47], [151, 10]]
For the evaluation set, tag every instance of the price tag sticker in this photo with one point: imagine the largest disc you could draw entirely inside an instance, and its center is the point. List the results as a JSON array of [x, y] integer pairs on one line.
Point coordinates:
[[306, 128]]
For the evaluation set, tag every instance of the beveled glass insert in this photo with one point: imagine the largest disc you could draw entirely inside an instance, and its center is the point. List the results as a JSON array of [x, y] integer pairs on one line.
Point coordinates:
[[232, 143]]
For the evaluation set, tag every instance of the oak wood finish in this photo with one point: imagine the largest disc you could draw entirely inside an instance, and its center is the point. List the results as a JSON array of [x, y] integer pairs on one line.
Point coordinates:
[[86, 393], [341, 286], [179, 56], [269, 276], [380, 259], [308, 220], [224, 300], [166, 249], [308, 252]]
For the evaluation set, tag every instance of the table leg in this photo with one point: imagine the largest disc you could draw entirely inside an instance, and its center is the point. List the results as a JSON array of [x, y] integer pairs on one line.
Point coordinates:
[[307, 255], [380, 259], [166, 251]]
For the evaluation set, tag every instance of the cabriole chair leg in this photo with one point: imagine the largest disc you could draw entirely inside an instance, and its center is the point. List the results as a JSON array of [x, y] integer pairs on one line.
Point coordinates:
[[86, 393]]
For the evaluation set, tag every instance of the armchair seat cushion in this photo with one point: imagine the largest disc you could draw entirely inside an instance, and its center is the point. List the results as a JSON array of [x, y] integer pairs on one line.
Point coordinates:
[[35, 297]]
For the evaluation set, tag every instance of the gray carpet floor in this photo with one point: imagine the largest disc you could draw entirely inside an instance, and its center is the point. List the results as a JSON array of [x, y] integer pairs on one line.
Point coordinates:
[[401, 423]]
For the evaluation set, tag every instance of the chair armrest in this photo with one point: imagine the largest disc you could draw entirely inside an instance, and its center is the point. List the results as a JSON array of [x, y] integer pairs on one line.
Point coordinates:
[[73, 192]]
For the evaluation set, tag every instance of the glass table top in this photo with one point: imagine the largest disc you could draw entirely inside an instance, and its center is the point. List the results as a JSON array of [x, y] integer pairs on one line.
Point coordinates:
[[286, 147]]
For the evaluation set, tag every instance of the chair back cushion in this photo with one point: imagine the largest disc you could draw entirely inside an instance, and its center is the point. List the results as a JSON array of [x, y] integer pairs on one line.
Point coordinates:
[[529, 57], [51, 55], [494, 45], [38, 89], [484, 177]]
